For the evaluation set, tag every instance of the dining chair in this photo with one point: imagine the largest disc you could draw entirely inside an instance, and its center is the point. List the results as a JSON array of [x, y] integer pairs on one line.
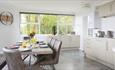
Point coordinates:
[[49, 40], [15, 62], [52, 43], [2, 61], [52, 59]]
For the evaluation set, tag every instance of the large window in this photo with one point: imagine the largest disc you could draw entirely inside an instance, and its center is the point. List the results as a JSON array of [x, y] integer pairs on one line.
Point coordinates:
[[46, 23]]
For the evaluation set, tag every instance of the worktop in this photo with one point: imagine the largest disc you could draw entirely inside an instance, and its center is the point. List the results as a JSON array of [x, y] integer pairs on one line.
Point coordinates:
[[99, 38]]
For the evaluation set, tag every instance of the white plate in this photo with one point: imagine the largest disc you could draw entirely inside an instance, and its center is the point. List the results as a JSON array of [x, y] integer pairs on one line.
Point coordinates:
[[24, 49], [43, 46]]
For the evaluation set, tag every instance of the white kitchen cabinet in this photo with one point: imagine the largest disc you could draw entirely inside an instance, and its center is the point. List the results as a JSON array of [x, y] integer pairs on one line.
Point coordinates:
[[104, 10], [74, 41], [113, 8], [69, 41], [89, 47], [65, 41], [107, 9], [101, 11], [101, 50], [110, 54], [96, 47]]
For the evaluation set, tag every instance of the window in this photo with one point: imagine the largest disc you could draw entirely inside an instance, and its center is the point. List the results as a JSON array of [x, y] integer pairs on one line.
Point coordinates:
[[46, 23], [29, 23], [65, 24]]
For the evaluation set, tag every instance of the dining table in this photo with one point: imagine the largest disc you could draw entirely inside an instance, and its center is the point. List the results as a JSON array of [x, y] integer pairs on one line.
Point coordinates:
[[38, 48], [34, 49]]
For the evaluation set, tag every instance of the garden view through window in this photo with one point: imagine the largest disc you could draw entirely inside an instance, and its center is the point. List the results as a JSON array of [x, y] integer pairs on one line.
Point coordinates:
[[46, 23]]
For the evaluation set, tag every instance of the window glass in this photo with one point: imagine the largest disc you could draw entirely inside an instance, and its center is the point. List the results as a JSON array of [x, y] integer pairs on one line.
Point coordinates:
[[46, 24]]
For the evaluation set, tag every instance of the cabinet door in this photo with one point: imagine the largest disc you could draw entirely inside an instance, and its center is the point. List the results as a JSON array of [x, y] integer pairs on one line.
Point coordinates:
[[100, 48], [75, 41], [113, 8], [100, 11], [104, 10], [110, 54], [65, 41], [97, 48], [89, 47]]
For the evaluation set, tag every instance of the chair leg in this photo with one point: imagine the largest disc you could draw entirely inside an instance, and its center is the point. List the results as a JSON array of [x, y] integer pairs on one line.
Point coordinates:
[[2, 65], [25, 57], [53, 67]]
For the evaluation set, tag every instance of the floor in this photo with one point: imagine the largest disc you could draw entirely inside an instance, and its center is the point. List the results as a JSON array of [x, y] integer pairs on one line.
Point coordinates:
[[75, 60]]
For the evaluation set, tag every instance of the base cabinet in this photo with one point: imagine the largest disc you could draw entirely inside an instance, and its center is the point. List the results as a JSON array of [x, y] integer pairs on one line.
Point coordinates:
[[89, 48], [110, 54], [100, 49], [69, 41]]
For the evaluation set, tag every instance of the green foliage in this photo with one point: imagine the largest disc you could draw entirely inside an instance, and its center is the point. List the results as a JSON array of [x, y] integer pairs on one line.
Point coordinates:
[[65, 24], [47, 23]]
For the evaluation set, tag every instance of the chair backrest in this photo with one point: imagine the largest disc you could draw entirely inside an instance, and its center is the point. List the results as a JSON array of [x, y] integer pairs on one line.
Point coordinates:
[[57, 47], [52, 42], [49, 40], [13, 59]]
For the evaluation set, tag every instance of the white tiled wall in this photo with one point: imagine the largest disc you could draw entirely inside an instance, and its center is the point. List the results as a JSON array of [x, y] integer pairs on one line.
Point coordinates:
[[108, 24]]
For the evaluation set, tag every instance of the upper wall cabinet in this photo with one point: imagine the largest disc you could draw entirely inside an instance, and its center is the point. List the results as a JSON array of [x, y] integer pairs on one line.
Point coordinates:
[[113, 8], [106, 10]]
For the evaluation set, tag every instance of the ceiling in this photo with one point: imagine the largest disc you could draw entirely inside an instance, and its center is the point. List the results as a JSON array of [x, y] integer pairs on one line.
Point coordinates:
[[55, 5]]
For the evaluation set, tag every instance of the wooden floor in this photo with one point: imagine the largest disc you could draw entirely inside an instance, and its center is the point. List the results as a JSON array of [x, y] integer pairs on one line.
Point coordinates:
[[75, 60]]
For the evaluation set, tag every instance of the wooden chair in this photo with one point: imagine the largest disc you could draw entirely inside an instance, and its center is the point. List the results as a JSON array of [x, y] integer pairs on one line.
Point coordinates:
[[15, 62]]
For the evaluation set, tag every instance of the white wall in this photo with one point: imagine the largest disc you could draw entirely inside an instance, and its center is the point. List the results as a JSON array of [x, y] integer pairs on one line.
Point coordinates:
[[108, 23], [9, 34]]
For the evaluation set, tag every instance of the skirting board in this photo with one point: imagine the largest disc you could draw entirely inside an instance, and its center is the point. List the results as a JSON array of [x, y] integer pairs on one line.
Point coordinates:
[[69, 48]]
